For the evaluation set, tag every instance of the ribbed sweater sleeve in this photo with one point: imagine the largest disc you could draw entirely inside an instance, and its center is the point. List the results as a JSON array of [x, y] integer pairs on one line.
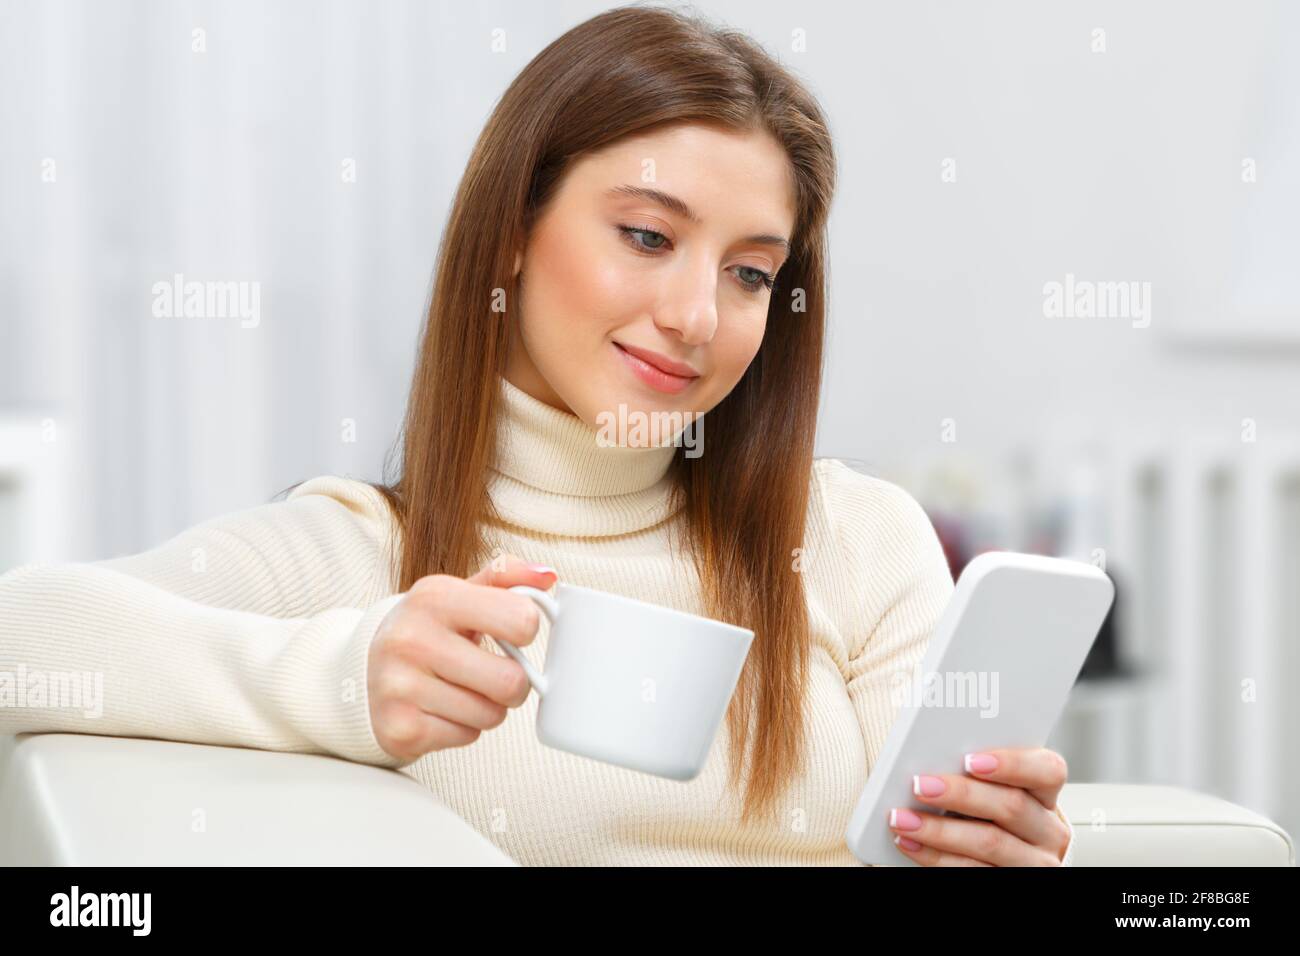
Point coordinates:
[[252, 629], [896, 584]]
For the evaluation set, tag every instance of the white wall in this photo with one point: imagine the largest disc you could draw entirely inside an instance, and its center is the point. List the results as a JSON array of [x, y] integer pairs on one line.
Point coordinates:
[[1124, 165]]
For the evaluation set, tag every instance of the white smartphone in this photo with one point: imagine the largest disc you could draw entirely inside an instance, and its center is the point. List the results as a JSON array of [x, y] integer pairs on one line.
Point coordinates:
[[996, 673]]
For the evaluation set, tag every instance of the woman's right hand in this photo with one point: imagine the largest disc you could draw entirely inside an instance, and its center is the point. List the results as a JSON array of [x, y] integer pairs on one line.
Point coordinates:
[[430, 681]]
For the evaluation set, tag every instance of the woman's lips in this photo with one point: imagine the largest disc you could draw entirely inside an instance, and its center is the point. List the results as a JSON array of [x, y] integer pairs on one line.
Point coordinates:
[[653, 376]]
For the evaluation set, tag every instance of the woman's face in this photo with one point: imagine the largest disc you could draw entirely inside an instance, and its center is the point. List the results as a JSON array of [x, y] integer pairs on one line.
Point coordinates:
[[659, 246]]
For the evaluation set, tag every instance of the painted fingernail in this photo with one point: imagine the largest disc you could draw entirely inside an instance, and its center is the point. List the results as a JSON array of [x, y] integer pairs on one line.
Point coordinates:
[[981, 763], [543, 569], [900, 818], [907, 843], [924, 785]]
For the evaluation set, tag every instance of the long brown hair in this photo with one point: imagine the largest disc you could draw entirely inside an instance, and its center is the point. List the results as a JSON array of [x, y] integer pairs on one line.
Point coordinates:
[[743, 503]]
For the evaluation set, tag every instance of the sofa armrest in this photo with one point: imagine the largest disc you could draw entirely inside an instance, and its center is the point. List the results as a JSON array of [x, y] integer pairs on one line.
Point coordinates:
[[1131, 824], [85, 800]]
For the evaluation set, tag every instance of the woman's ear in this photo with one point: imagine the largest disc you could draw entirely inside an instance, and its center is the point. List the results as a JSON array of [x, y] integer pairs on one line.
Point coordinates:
[[519, 261]]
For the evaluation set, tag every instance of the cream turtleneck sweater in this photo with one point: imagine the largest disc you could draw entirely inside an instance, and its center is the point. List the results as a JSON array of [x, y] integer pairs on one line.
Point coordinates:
[[252, 629]]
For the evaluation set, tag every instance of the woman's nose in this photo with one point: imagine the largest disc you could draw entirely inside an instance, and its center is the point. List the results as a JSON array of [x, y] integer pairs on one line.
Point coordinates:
[[693, 313]]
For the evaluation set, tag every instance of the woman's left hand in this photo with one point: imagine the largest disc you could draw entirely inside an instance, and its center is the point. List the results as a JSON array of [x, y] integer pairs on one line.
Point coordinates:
[[1008, 812]]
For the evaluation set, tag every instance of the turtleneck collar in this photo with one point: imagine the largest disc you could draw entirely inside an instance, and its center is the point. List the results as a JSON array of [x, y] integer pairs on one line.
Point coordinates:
[[552, 475]]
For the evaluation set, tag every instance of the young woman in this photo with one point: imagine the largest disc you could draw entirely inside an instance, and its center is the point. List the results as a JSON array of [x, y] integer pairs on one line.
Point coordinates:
[[641, 227]]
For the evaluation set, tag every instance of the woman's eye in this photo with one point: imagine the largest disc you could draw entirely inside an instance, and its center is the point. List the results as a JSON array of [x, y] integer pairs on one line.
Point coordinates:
[[657, 239], [760, 278]]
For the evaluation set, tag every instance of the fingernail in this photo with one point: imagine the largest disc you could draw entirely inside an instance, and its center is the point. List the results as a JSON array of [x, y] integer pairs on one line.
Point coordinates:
[[543, 569], [903, 819], [907, 843], [923, 785], [981, 763]]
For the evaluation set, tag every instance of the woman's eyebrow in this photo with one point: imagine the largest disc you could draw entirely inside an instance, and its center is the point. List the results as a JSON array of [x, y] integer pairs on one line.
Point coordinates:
[[676, 205]]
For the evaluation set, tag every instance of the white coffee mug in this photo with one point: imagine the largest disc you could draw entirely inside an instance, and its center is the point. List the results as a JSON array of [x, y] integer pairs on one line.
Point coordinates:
[[631, 683]]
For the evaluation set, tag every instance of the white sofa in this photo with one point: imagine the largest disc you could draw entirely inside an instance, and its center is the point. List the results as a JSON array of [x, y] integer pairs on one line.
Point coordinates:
[[71, 799]]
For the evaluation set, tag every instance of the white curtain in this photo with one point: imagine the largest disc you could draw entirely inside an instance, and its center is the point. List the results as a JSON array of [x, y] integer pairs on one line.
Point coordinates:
[[308, 150]]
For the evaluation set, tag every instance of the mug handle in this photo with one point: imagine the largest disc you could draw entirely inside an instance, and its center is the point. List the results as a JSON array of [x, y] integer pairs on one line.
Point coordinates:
[[551, 610]]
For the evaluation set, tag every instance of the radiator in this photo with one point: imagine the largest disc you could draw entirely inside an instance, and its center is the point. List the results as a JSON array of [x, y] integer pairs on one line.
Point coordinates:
[[1204, 542]]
